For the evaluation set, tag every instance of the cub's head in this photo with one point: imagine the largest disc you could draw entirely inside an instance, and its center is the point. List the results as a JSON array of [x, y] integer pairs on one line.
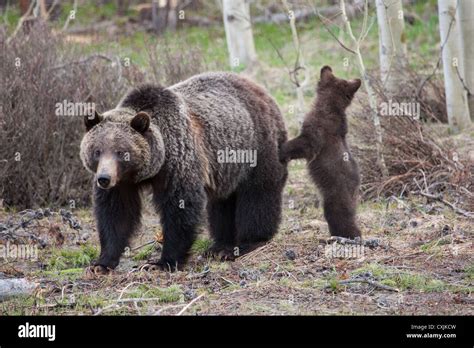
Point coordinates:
[[336, 91], [119, 147]]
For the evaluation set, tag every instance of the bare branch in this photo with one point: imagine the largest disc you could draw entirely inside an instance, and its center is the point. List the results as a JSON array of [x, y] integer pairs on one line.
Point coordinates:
[[20, 22]]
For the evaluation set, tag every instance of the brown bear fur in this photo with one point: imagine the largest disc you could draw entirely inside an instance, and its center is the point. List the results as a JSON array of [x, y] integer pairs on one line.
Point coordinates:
[[322, 142], [170, 140]]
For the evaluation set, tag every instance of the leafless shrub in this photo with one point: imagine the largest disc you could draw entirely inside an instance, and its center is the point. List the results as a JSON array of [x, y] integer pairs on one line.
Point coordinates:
[[415, 158], [38, 149], [170, 64]]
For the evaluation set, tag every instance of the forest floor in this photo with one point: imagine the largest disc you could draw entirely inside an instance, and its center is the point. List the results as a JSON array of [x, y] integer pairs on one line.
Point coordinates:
[[418, 261]]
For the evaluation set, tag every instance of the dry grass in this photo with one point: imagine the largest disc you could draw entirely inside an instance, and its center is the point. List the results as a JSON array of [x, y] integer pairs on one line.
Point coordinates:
[[424, 256]]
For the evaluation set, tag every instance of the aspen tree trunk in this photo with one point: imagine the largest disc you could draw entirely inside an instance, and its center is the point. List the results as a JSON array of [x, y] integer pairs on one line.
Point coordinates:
[[238, 30], [456, 95], [300, 63], [393, 50], [466, 28], [368, 87]]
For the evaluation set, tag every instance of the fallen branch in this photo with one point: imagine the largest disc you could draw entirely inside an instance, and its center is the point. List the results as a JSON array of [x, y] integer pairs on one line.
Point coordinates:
[[370, 243], [367, 281], [439, 198], [189, 304]]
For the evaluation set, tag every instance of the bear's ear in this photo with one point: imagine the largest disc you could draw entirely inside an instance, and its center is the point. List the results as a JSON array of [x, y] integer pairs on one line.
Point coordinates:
[[354, 85], [326, 73], [91, 121], [140, 122]]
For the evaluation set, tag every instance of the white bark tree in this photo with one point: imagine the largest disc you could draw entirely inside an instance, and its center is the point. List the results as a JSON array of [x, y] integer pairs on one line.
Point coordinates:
[[366, 82], [300, 65], [456, 95], [393, 50], [466, 28], [238, 30]]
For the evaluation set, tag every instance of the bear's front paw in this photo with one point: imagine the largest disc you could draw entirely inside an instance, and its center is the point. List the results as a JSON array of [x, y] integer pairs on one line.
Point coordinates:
[[94, 271], [221, 253], [160, 265]]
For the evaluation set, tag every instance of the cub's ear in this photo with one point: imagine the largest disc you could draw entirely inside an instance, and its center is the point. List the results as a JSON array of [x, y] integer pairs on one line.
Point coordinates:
[[326, 73], [140, 122], [92, 120], [354, 85]]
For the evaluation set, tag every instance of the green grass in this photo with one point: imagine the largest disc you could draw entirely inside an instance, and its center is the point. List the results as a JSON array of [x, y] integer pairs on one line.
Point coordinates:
[[404, 280], [201, 246], [88, 12], [469, 272], [145, 253], [64, 274], [11, 17], [20, 305], [434, 245], [62, 259], [173, 293]]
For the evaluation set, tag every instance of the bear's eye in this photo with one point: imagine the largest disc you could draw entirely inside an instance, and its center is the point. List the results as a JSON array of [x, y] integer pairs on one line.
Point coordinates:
[[120, 154], [97, 153]]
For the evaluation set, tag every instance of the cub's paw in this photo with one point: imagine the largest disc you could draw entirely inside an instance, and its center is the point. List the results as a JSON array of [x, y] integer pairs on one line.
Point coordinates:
[[221, 253], [95, 271], [284, 158]]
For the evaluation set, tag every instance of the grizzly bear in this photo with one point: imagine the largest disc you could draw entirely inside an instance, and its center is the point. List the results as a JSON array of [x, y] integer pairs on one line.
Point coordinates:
[[322, 142], [195, 144]]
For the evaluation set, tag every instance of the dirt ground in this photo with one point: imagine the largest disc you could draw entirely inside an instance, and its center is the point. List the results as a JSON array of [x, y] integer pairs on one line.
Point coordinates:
[[417, 259]]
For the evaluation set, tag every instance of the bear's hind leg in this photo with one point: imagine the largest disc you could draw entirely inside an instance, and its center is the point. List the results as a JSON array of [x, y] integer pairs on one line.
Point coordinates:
[[221, 214], [340, 215], [258, 214]]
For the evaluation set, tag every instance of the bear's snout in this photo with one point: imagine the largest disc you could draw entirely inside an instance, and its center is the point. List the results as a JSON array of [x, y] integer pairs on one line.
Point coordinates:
[[103, 180], [107, 171]]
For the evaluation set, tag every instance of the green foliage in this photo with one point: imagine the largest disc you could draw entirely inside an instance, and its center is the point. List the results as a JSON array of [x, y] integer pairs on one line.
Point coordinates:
[[469, 272], [145, 253], [402, 280], [201, 246], [172, 293], [62, 259], [433, 246]]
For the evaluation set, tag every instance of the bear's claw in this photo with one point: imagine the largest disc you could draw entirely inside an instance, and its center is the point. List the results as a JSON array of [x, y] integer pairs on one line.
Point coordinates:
[[221, 253], [158, 266], [96, 270]]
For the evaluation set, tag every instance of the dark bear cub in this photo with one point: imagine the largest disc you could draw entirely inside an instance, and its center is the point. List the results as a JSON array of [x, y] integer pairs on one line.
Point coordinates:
[[322, 142]]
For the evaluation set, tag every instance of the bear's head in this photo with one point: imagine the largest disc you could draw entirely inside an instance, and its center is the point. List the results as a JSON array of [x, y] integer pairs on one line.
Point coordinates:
[[121, 146], [336, 91]]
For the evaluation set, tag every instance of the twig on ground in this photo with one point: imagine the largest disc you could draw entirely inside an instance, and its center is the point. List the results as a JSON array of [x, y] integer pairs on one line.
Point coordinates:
[[370, 282], [125, 288], [143, 245], [439, 198], [189, 304]]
